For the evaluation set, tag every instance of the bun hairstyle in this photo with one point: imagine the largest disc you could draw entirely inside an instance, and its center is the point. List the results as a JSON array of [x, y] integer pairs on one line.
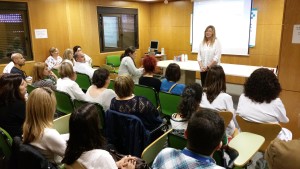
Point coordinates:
[[191, 98]]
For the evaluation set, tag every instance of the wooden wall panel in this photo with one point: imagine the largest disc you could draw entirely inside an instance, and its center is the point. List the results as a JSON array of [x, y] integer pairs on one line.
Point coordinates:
[[74, 22], [289, 64]]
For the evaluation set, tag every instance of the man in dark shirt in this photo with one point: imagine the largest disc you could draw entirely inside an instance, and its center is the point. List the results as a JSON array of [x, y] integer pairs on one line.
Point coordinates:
[[19, 61]]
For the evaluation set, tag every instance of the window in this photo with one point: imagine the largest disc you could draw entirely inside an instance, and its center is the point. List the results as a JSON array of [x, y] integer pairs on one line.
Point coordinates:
[[118, 28], [14, 30]]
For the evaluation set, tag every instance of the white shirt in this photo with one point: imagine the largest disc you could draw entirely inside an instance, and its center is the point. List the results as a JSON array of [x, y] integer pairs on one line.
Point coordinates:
[[84, 68], [51, 62], [71, 87], [97, 159], [88, 59], [207, 53], [104, 98], [68, 61], [222, 102], [127, 67], [51, 144], [8, 67], [273, 112]]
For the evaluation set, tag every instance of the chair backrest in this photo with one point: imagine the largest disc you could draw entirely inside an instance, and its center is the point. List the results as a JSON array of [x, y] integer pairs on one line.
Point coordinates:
[[78, 103], [227, 117], [148, 92], [5, 145], [113, 60], [30, 88], [176, 141], [126, 132], [151, 151], [27, 156], [64, 102], [83, 81], [61, 124], [111, 84], [168, 102], [55, 71], [268, 130]]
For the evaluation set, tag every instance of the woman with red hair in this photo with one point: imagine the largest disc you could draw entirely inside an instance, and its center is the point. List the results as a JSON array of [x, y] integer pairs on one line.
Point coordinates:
[[149, 64]]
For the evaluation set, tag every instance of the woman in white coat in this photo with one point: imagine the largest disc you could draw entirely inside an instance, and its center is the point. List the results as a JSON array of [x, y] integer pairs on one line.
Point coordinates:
[[128, 66]]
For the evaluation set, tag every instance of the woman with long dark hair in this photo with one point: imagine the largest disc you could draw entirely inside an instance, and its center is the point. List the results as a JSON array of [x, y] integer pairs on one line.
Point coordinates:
[[128, 66], [86, 142]]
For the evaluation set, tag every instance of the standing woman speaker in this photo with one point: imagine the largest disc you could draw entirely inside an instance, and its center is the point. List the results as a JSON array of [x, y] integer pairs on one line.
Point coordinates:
[[209, 52]]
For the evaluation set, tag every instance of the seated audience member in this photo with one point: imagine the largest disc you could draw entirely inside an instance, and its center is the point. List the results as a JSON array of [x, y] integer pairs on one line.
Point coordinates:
[[215, 96], [128, 66], [86, 142], [12, 103], [10, 65], [204, 133], [68, 56], [88, 59], [169, 84], [98, 91], [283, 154], [127, 102], [80, 65], [147, 79], [260, 101], [42, 76], [19, 61], [37, 128], [54, 60], [191, 98], [66, 82]]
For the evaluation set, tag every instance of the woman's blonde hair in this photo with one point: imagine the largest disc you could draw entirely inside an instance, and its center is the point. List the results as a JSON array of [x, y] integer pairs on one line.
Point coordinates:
[[66, 70], [67, 53], [52, 50], [213, 36], [38, 71], [40, 109], [124, 86]]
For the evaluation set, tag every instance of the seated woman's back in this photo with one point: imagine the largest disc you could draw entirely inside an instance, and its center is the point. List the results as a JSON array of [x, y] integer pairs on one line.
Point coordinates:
[[98, 91], [147, 79], [126, 102], [215, 95], [37, 128], [169, 84], [67, 82], [86, 143], [260, 101]]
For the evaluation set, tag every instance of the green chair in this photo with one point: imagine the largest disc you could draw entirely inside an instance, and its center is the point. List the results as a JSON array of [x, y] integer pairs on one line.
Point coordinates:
[[64, 102], [168, 102], [78, 103], [5, 145], [30, 88], [83, 81], [61, 124], [114, 61], [55, 71], [176, 141], [151, 151], [148, 92], [111, 84]]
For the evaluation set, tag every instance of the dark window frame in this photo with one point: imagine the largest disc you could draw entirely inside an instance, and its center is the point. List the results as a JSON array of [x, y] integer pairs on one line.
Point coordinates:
[[27, 44], [116, 12]]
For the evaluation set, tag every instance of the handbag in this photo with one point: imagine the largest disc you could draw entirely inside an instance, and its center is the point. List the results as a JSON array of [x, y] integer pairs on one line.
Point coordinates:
[[140, 163]]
